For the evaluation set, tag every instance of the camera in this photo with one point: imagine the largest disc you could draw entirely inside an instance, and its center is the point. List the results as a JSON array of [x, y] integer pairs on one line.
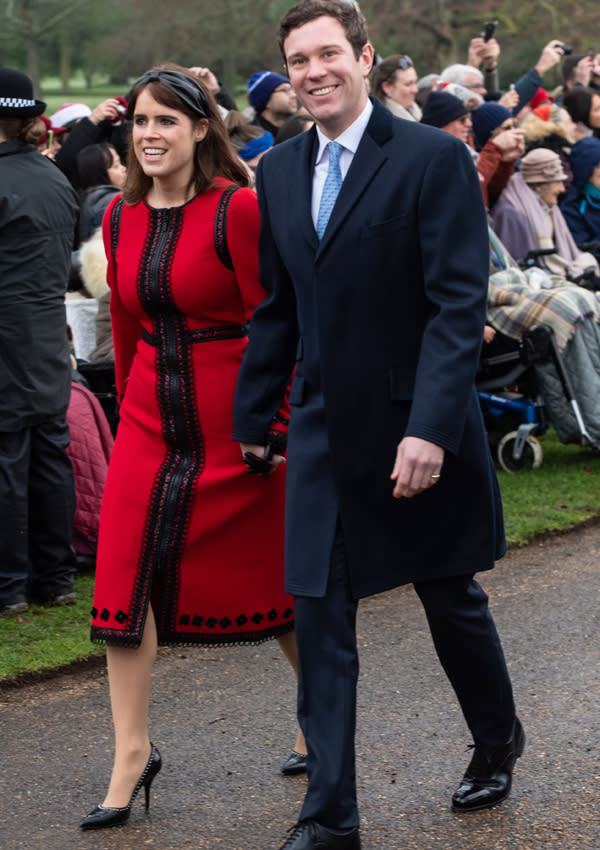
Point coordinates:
[[566, 48], [489, 28]]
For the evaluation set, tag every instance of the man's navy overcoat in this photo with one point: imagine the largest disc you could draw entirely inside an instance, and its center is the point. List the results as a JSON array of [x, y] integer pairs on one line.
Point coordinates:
[[383, 322]]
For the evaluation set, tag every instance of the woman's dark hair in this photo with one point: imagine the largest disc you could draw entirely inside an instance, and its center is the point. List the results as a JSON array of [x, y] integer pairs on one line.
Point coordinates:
[[93, 163], [214, 156], [239, 130], [294, 125], [348, 15], [21, 128], [578, 102], [383, 72]]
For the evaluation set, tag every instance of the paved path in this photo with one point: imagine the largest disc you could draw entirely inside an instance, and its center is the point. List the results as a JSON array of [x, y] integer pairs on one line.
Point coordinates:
[[223, 720]]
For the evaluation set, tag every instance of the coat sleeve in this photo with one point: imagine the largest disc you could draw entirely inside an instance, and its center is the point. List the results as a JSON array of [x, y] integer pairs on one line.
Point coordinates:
[[243, 233], [455, 260], [575, 220], [126, 330], [273, 338]]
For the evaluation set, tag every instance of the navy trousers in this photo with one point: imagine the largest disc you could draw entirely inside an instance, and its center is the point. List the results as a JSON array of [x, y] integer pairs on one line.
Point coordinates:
[[37, 505], [467, 645]]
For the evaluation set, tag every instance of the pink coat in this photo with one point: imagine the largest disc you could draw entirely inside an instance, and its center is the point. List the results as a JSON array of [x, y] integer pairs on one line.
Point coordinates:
[[89, 450]]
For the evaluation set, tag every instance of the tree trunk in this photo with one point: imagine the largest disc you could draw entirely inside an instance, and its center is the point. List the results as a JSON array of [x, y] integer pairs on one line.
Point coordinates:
[[65, 61]]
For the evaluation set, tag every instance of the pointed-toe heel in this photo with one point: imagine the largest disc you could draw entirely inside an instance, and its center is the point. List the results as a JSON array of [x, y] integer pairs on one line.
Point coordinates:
[[104, 816]]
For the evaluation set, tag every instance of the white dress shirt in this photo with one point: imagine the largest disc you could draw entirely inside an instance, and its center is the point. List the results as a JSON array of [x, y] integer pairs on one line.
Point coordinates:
[[349, 140]]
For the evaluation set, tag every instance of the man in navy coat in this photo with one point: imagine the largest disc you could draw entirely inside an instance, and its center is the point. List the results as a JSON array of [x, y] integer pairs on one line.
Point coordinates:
[[374, 257]]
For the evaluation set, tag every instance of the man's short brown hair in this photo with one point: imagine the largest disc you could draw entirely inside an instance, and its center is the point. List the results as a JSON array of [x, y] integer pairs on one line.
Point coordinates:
[[347, 14]]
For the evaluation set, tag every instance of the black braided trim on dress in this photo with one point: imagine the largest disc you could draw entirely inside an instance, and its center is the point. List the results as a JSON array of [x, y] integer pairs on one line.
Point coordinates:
[[221, 246], [112, 637], [212, 334], [170, 502], [115, 226]]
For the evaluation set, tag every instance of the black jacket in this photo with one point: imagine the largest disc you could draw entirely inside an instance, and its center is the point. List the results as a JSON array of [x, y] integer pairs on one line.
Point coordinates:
[[38, 210]]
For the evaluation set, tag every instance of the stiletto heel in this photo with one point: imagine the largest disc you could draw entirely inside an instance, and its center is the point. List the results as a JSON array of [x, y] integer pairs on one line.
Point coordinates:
[[103, 816]]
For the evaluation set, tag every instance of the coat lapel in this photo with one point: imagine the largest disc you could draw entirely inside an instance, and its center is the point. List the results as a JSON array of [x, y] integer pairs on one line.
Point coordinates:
[[301, 178], [367, 161]]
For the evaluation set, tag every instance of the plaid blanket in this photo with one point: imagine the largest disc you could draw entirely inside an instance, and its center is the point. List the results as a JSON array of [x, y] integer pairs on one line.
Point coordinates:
[[513, 305]]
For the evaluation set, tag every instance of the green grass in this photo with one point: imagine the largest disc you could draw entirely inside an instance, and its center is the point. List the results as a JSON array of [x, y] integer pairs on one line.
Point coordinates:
[[564, 491], [46, 638]]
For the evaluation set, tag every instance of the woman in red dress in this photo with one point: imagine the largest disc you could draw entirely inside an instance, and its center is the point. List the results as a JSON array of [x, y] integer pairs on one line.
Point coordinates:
[[191, 547]]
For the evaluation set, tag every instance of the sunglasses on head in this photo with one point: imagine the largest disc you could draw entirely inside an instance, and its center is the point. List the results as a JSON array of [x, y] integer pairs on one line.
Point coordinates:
[[404, 63]]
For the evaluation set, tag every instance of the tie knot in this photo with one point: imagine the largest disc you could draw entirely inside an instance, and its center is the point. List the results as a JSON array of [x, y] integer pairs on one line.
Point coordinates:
[[335, 150]]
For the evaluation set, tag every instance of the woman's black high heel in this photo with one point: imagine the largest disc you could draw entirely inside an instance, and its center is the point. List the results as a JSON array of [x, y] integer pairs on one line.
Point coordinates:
[[103, 816]]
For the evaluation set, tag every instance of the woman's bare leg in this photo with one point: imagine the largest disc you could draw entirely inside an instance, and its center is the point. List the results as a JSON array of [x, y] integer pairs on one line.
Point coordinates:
[[129, 677], [287, 643]]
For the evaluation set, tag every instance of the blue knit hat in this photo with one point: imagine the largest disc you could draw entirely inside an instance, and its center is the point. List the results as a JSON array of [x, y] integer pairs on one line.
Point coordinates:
[[485, 120], [260, 88]]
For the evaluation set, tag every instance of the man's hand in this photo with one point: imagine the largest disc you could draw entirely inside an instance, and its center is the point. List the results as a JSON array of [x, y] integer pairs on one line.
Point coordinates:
[[511, 143], [583, 70], [549, 57], [206, 77], [108, 110], [418, 467], [274, 461], [483, 51], [509, 99]]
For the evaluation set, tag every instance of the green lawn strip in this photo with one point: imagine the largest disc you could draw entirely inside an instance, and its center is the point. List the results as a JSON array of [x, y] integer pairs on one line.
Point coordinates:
[[564, 491], [46, 638]]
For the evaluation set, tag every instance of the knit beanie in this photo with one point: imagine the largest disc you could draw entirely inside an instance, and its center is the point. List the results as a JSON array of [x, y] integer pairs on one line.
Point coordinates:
[[441, 109], [260, 88], [542, 166], [486, 119], [68, 113]]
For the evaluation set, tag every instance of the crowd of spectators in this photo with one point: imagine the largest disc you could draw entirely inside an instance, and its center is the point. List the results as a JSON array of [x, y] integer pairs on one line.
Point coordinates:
[[536, 149]]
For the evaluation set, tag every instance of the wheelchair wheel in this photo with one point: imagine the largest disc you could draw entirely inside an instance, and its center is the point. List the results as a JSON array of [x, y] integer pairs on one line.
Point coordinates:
[[531, 456]]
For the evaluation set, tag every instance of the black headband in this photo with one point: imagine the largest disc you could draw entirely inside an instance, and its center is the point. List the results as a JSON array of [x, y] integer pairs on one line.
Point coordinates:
[[186, 88]]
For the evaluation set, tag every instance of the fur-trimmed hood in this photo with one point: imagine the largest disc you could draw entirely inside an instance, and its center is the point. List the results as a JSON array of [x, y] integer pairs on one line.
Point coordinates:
[[94, 265]]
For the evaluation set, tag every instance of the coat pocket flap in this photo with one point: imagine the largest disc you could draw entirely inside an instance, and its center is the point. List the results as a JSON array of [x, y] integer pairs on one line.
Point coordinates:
[[402, 384]]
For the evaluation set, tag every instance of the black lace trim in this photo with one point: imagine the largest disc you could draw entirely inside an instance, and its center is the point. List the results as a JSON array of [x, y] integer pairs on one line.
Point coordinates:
[[170, 501], [115, 226], [114, 637], [221, 246], [283, 420], [202, 334]]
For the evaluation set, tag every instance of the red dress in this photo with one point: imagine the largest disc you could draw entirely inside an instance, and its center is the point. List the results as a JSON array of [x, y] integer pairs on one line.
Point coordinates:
[[182, 522]]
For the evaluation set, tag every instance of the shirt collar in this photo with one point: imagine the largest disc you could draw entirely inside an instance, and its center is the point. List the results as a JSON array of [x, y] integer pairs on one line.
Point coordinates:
[[350, 138]]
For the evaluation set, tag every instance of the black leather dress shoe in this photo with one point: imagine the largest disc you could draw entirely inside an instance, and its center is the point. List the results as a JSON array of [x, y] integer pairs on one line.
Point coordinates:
[[489, 775], [310, 835], [295, 764]]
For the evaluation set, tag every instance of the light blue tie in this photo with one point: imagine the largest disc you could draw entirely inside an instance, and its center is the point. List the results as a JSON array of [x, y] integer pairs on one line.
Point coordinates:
[[331, 188]]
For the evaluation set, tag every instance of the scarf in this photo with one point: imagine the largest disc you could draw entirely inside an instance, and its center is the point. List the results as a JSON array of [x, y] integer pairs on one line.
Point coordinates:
[[591, 196], [412, 114], [548, 227]]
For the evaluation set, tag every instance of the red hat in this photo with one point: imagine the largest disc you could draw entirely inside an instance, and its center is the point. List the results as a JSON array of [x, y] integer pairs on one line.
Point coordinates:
[[541, 96], [57, 130]]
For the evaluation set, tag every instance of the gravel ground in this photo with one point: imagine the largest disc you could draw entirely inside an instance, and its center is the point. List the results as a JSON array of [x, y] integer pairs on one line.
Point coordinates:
[[224, 721]]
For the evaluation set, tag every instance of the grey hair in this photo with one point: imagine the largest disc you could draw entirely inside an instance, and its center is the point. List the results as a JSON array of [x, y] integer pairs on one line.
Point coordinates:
[[458, 74]]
